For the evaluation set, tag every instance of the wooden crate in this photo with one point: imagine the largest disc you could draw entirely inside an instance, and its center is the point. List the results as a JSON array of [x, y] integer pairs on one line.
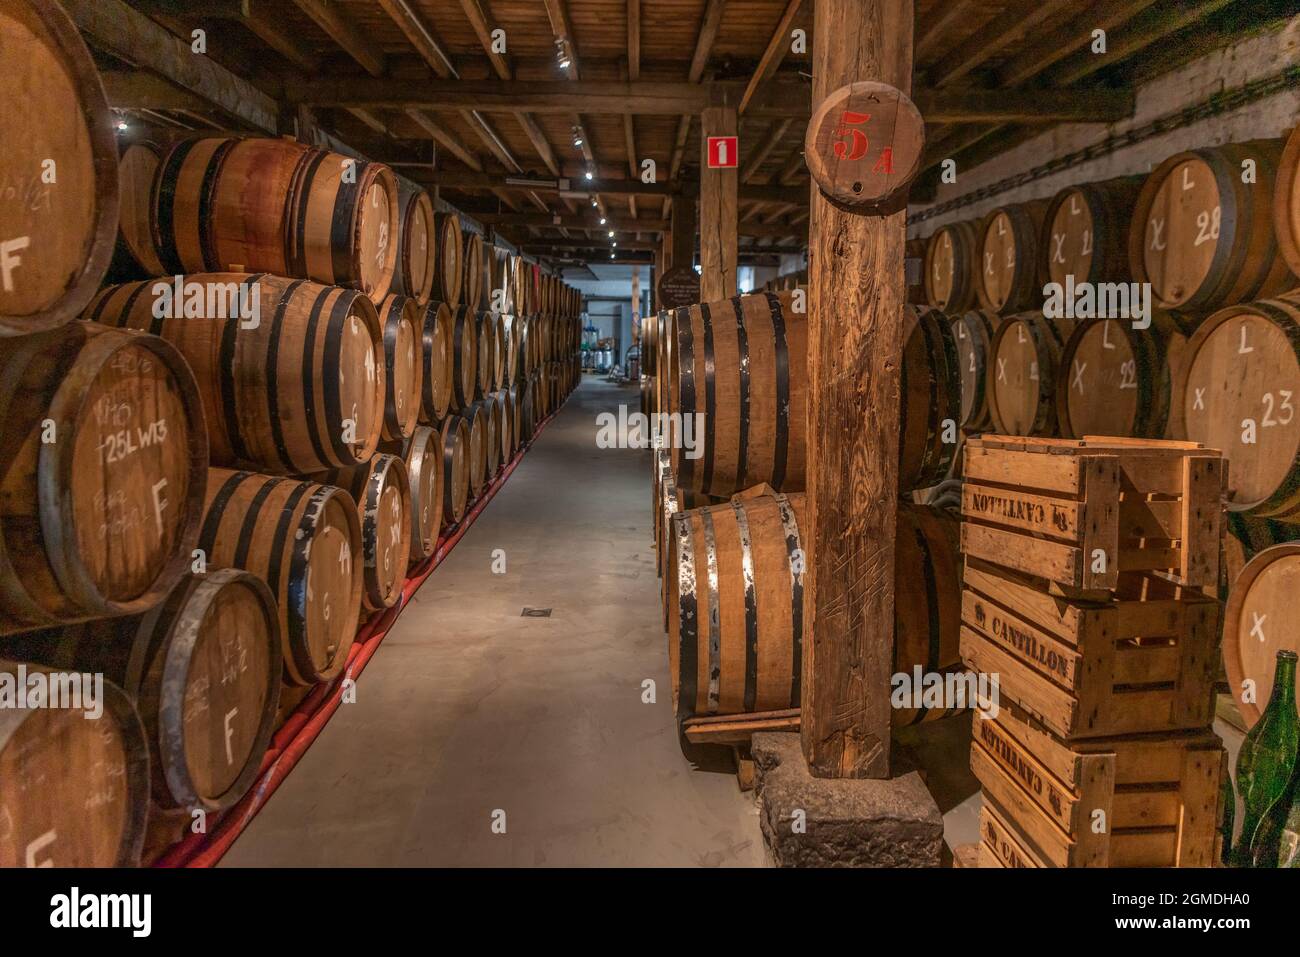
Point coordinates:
[[1142, 662], [1082, 512], [1138, 801]]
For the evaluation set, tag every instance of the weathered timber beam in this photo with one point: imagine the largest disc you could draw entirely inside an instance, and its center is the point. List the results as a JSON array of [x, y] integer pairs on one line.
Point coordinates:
[[772, 56], [131, 36], [332, 19]]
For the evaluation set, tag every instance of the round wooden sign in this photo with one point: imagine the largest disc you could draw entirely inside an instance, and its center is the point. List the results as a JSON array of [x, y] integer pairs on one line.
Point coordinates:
[[679, 286], [864, 144]]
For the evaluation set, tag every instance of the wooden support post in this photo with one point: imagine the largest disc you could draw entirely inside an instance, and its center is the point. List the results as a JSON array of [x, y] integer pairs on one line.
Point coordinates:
[[683, 234], [856, 294], [718, 224]]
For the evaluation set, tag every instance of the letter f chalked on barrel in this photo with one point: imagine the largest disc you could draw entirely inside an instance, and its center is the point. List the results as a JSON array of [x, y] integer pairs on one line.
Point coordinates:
[[863, 147]]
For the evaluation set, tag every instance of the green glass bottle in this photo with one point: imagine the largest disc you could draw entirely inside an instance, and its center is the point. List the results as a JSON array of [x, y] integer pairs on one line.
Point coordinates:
[[1268, 757], [1288, 854]]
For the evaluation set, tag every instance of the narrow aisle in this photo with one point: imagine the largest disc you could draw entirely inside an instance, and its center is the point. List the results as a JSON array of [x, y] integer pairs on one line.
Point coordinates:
[[469, 708]]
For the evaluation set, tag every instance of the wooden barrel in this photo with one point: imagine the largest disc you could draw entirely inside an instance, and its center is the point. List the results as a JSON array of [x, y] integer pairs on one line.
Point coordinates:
[[742, 363], [448, 259], [476, 418], [403, 385], [422, 453], [973, 331], [203, 669], [474, 284], [516, 409], [103, 459], [486, 328], [1239, 388], [416, 247], [295, 388], [501, 293], [1286, 202], [59, 192], [949, 267], [134, 256], [509, 429], [234, 204], [735, 574], [501, 359], [930, 411], [1258, 623], [382, 493], [491, 412], [1087, 231], [1117, 380], [1010, 260], [464, 352], [304, 541], [455, 468], [1201, 236], [76, 789], [1243, 539], [1026, 357], [438, 355]]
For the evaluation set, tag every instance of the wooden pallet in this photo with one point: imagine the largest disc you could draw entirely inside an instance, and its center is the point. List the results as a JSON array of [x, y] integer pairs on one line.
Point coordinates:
[[1083, 512], [1137, 801], [1143, 662]]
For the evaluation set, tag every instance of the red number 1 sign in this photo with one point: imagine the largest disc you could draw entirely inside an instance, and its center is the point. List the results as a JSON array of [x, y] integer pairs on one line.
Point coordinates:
[[723, 152]]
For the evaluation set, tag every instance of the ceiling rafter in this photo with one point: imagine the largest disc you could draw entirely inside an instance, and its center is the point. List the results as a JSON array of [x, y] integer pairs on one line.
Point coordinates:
[[332, 18], [773, 55]]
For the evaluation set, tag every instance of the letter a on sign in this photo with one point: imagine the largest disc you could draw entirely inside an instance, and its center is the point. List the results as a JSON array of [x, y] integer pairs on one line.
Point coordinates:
[[723, 152]]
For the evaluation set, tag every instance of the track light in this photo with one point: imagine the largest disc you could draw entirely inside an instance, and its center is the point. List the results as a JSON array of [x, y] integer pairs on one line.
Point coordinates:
[[121, 124], [589, 176], [611, 234], [602, 219]]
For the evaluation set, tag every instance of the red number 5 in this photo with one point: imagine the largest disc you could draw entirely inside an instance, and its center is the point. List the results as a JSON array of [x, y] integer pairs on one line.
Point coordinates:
[[858, 139]]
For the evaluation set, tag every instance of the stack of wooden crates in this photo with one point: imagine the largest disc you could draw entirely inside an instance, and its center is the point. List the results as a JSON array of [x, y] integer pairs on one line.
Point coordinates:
[[1090, 571]]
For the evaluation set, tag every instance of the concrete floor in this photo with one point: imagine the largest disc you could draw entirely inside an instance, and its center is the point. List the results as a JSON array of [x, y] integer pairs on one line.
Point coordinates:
[[469, 708]]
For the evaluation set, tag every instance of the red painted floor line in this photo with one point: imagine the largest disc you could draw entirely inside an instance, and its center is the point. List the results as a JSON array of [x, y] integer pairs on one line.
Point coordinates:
[[305, 723]]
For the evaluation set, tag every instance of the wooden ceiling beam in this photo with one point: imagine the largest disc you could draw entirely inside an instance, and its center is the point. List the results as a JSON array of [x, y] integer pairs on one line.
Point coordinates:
[[420, 35], [446, 139], [794, 195], [943, 20], [331, 18], [704, 39], [775, 134], [1002, 31], [131, 36], [540, 143], [478, 19], [1147, 28], [634, 39], [773, 55]]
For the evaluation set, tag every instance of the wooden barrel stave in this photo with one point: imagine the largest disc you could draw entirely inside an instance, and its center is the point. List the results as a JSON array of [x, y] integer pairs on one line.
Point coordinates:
[[448, 264], [1010, 263], [76, 789], [1026, 359], [931, 398], [404, 365], [739, 565], [474, 282], [296, 388], [1202, 237], [465, 354], [950, 267], [422, 453], [1085, 231], [382, 493], [233, 203], [455, 474], [1257, 624], [437, 379], [135, 256], [290, 534], [203, 670], [754, 410], [59, 233], [1117, 380], [100, 519], [416, 246], [1239, 385]]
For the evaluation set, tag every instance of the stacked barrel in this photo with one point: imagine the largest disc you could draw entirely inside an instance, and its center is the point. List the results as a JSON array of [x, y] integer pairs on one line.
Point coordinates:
[[729, 393], [215, 466]]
